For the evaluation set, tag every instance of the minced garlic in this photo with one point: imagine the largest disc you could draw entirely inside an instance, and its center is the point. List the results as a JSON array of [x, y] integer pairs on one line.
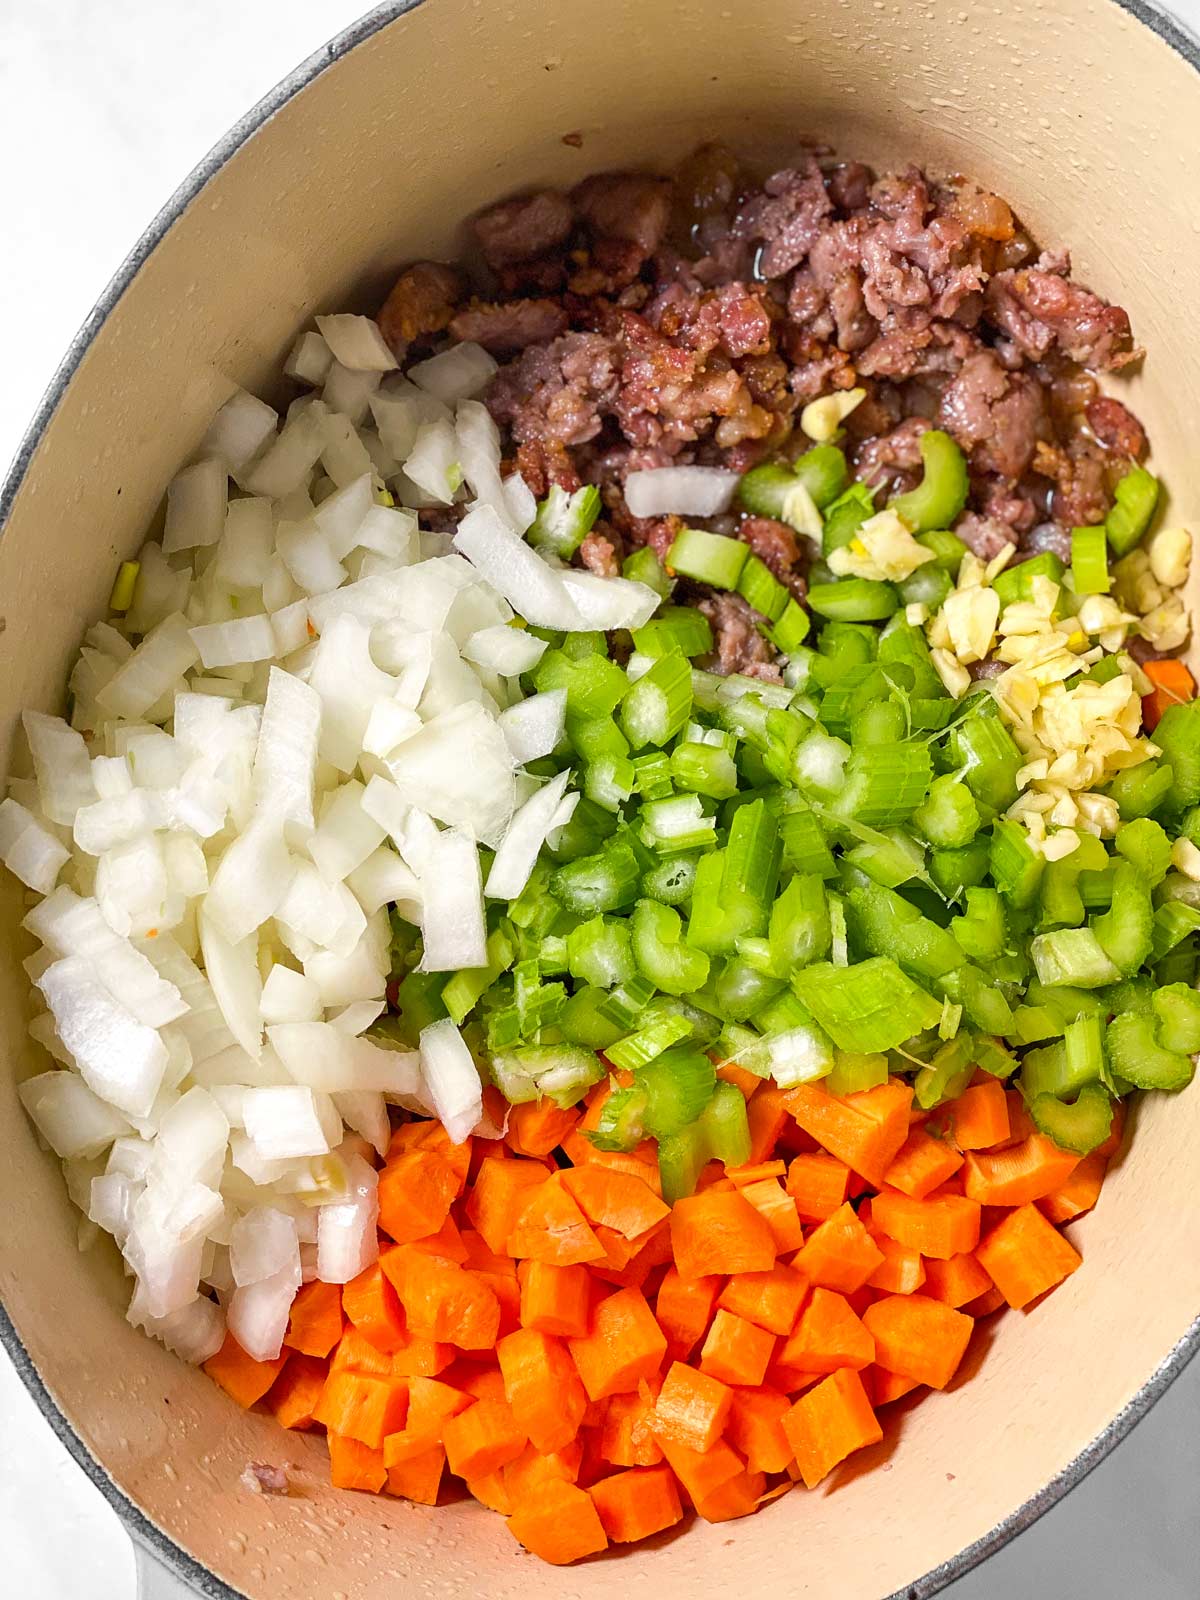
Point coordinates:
[[883, 549], [822, 418]]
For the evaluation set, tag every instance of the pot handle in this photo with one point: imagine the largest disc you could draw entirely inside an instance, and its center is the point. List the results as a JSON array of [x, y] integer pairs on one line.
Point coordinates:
[[154, 1581]]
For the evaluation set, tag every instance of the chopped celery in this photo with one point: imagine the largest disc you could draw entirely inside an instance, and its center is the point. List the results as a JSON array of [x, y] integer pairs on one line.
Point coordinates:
[[1137, 1056], [891, 858], [677, 824], [853, 600], [799, 929], [805, 848], [742, 990], [601, 882], [946, 1076], [662, 956], [564, 520], [870, 1006], [885, 924], [1142, 789], [1016, 867], [708, 557], [1126, 930], [1145, 844], [883, 784], [982, 747], [704, 769], [725, 1126], [791, 629], [980, 931], [853, 1072], [1072, 956], [1135, 499], [598, 952], [678, 1084], [124, 585], [640, 1048], [1079, 1125], [1089, 560], [761, 590], [942, 491], [670, 879], [464, 989], [1178, 737], [1177, 1007], [948, 817], [643, 566], [656, 707], [1015, 584], [681, 628]]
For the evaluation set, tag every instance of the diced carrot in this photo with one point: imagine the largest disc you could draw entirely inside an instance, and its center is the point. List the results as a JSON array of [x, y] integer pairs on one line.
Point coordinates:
[[1023, 1172], [480, 1378], [922, 1164], [443, 1302], [354, 1465], [986, 1304], [702, 1472], [533, 1469], [828, 1336], [615, 1200], [419, 1357], [508, 1292], [419, 1478], [296, 1391], [638, 1163], [430, 1406], [447, 1242], [435, 1140], [371, 1304], [554, 1299], [749, 1083], [692, 1408], [636, 1503], [885, 1386], [1173, 684], [788, 1379], [980, 1116], [539, 1126], [767, 1115], [498, 1197], [957, 1281], [551, 1227], [624, 1346], [353, 1353], [818, 1183], [755, 1172], [771, 1300], [242, 1378], [864, 1130], [627, 1432], [415, 1195], [902, 1271], [839, 1253], [738, 1498], [736, 1351], [1079, 1193], [316, 1320], [561, 1525], [917, 1337], [939, 1226], [755, 1428], [482, 1439], [363, 1408], [542, 1387], [720, 1231], [828, 1423], [491, 1490], [778, 1211], [1025, 1255]]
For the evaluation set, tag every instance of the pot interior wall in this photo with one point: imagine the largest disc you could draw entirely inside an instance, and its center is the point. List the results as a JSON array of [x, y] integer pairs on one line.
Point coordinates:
[[1089, 123]]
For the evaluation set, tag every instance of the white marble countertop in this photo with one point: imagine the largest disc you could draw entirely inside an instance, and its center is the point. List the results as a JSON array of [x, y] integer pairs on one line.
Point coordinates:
[[103, 110]]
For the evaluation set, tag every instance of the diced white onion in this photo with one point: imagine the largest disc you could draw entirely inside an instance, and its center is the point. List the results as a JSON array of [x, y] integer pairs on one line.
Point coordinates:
[[452, 926], [325, 1058], [532, 728], [459, 373], [30, 851], [239, 430], [357, 343], [451, 1079], [514, 860], [680, 491], [347, 1242], [309, 360], [73, 1121], [530, 585], [507, 651], [196, 506]]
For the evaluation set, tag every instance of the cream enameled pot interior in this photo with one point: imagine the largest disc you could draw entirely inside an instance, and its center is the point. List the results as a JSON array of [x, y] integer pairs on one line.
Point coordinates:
[[1076, 112]]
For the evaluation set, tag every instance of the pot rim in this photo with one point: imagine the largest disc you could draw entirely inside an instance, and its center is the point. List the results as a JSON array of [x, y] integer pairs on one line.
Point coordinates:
[[1175, 33]]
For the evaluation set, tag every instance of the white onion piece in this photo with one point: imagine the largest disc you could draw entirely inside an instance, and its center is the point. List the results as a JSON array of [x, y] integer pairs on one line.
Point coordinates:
[[309, 360], [430, 771], [346, 834], [62, 765], [227, 644], [680, 491], [288, 459], [196, 500], [232, 970], [359, 975], [357, 343], [343, 454], [284, 1122], [534, 589], [459, 373], [324, 1057], [194, 1333], [191, 1141], [239, 430], [452, 926], [389, 533], [288, 996], [366, 1112], [450, 1079], [347, 1242], [310, 562], [519, 502], [341, 516], [258, 1312], [348, 392], [357, 1018], [30, 851], [262, 1243], [72, 926], [154, 668], [526, 835], [534, 727], [121, 1059], [434, 466], [348, 683], [73, 1121], [385, 879], [285, 759], [608, 603], [324, 913], [507, 651], [290, 626], [251, 880], [389, 724]]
